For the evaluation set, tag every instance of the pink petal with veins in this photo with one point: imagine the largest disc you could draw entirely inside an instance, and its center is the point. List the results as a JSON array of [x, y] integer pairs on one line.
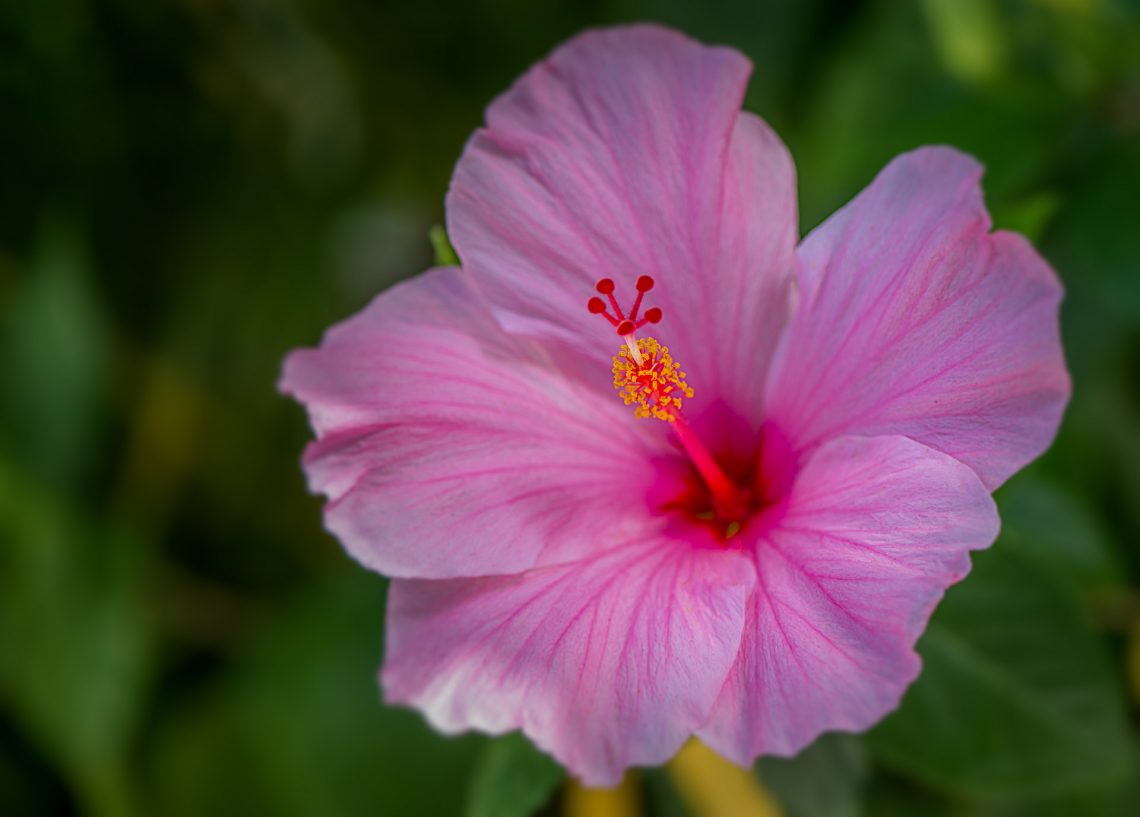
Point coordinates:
[[606, 663], [449, 448], [871, 535], [914, 319], [625, 153]]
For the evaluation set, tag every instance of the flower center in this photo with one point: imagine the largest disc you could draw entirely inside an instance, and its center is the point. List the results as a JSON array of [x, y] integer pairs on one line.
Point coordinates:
[[649, 379]]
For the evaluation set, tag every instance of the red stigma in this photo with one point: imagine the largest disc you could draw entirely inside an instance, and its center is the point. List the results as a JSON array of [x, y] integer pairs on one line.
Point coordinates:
[[625, 326]]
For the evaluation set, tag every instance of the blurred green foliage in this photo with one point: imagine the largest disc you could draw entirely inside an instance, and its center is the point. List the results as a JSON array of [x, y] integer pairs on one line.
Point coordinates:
[[190, 189]]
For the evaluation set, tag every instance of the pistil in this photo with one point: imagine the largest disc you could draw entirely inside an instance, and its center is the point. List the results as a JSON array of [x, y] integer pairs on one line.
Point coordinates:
[[728, 500], [648, 378], [626, 327]]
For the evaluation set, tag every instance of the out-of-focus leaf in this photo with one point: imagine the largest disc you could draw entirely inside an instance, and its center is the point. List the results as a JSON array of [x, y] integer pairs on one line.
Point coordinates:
[[1132, 662], [445, 255], [661, 796], [75, 660], [52, 360], [1117, 799], [1017, 695], [1029, 216], [310, 729], [882, 94], [1053, 526], [203, 761], [513, 779], [824, 780], [1105, 801], [28, 785], [891, 796], [1094, 241], [969, 36], [73, 623], [776, 35]]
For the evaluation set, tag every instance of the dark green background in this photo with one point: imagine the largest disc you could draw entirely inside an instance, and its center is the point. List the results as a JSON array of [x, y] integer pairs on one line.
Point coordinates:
[[189, 189]]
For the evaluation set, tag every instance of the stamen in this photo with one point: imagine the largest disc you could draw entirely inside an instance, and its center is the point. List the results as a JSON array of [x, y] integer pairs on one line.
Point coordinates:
[[654, 384], [647, 378]]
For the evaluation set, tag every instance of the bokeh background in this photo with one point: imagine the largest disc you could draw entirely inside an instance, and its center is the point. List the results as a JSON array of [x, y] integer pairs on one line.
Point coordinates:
[[188, 189]]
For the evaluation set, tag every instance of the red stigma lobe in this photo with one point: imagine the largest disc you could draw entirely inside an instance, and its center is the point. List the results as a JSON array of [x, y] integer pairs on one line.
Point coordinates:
[[625, 326]]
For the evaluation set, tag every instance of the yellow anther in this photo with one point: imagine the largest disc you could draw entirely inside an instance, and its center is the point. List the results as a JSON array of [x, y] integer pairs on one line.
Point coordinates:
[[655, 386]]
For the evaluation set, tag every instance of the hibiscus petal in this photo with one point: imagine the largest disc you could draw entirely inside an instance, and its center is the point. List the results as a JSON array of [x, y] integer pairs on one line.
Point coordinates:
[[448, 448], [873, 532], [915, 320], [607, 663], [625, 153]]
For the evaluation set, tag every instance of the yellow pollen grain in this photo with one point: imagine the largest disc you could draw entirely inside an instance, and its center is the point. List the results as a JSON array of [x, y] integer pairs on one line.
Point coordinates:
[[655, 386]]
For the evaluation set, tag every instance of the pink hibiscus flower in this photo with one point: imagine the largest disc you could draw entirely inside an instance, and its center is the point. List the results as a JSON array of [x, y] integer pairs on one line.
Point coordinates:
[[750, 552]]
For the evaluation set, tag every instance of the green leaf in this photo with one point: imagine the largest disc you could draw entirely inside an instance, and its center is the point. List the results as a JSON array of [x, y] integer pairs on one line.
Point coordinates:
[[53, 360], [969, 37], [73, 621], [887, 71], [824, 780], [1017, 695], [298, 728], [661, 796], [1053, 526], [513, 779], [1095, 247], [445, 255], [1029, 216], [891, 796], [203, 761]]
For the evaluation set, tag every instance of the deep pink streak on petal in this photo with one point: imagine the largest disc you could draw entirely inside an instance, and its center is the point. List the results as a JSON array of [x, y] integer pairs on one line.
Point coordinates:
[[607, 663], [873, 532], [625, 153], [448, 448], [915, 320]]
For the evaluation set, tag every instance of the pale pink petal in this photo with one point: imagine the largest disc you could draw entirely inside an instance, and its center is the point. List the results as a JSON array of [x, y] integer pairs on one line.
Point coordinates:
[[448, 448], [915, 320], [872, 533], [607, 663], [625, 153]]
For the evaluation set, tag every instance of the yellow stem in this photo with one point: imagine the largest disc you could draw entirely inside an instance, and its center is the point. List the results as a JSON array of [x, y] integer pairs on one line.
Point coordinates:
[[624, 801], [713, 787]]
